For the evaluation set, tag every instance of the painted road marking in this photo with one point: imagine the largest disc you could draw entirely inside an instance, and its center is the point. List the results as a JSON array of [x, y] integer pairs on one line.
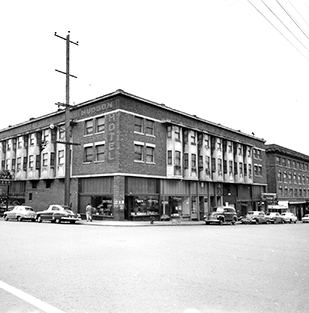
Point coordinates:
[[30, 299]]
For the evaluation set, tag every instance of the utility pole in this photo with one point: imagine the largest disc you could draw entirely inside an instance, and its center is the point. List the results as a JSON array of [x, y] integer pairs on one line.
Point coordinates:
[[67, 106]]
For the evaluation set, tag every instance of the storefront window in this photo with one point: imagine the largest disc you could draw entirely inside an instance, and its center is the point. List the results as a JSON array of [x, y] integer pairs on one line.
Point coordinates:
[[103, 205], [145, 205]]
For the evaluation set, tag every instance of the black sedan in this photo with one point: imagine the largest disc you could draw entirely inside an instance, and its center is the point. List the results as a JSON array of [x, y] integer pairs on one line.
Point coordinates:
[[57, 213]]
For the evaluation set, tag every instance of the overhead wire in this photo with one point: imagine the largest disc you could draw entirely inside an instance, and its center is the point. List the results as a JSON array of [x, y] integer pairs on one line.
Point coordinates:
[[278, 30], [298, 12], [292, 18], [285, 26]]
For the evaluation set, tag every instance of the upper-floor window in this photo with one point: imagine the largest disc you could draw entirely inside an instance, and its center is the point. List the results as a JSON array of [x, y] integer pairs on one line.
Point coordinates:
[[193, 138], [288, 163], [138, 152], [61, 134], [19, 164], [249, 152], [31, 161], [169, 157], [61, 157], [279, 176], [149, 154], [240, 168], [88, 153], [88, 128], [138, 124], [193, 160], [99, 152], [32, 139], [177, 133], [45, 159], [284, 161], [206, 141], [149, 127], [230, 147], [45, 135], [100, 124], [14, 143], [177, 158], [186, 160], [219, 144], [20, 142], [169, 132], [219, 165]]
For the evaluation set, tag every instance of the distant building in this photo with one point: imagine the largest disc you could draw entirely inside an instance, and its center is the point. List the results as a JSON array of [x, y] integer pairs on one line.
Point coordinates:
[[136, 158], [288, 178]]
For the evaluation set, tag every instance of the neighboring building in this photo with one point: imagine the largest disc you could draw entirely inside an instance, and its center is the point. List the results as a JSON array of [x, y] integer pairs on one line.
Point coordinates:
[[135, 158], [288, 178]]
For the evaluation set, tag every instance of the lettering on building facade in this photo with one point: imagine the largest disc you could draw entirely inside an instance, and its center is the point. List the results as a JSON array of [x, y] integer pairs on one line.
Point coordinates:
[[111, 137], [96, 109]]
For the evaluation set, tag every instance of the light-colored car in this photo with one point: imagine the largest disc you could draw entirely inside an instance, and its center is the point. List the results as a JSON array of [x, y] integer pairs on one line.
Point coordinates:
[[274, 218], [289, 217], [255, 217], [305, 218], [20, 212], [57, 213], [221, 215]]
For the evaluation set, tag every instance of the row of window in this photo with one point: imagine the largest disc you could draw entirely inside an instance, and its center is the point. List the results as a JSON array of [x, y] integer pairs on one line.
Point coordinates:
[[292, 192], [212, 142], [292, 178], [216, 164], [33, 161], [144, 126], [33, 139], [292, 163]]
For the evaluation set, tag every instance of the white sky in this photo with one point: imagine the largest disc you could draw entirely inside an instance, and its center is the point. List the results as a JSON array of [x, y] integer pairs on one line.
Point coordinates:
[[217, 59]]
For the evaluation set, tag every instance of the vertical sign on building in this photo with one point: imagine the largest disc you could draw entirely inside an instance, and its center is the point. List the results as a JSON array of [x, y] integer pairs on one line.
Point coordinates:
[[111, 138]]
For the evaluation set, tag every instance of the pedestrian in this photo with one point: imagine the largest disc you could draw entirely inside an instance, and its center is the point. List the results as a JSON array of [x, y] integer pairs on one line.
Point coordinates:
[[89, 213]]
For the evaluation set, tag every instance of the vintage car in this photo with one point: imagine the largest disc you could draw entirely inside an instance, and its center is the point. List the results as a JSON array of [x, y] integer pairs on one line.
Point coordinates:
[[275, 218], [19, 213], [289, 217], [305, 218], [3, 208], [57, 213], [221, 215], [255, 217]]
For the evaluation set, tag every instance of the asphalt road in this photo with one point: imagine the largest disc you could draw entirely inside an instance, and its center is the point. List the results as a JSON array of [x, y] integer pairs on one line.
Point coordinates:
[[77, 268]]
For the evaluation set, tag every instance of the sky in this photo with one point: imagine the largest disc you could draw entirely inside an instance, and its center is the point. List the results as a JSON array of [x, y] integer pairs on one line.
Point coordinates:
[[238, 63]]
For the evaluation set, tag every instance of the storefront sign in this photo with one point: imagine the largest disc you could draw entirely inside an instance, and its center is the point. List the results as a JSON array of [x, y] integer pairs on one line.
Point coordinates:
[[101, 108]]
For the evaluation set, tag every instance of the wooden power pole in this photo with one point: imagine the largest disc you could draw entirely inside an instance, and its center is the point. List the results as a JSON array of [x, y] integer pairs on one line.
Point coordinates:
[[67, 106]]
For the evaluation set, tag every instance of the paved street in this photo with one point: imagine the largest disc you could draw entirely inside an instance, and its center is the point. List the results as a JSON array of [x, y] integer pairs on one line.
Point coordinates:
[[77, 268]]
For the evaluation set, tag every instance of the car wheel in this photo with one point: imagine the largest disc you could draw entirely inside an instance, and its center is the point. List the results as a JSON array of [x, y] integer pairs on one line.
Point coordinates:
[[221, 221], [207, 223], [39, 219], [72, 222], [19, 218], [6, 218], [58, 220], [233, 222]]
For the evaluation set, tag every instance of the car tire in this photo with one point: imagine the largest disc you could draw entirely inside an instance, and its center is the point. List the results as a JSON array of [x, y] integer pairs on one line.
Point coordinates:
[[58, 220], [19, 218], [39, 219], [221, 221], [207, 223], [72, 222], [233, 222], [6, 218]]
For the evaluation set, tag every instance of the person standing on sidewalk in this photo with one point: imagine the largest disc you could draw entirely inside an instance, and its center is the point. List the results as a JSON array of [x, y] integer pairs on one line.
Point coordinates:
[[89, 213]]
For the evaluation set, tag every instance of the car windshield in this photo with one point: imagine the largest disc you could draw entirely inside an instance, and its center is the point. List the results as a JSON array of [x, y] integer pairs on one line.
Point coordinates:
[[28, 209]]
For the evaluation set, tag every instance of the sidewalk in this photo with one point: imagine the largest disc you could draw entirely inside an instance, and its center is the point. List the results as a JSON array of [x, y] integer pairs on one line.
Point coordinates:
[[140, 224]]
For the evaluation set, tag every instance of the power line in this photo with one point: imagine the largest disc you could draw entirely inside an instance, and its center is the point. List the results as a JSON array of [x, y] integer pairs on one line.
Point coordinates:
[[291, 17], [285, 25], [298, 12], [278, 30]]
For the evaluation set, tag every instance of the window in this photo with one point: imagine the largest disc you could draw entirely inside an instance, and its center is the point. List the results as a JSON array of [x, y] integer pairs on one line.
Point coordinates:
[[31, 161], [61, 135], [288, 163], [235, 168], [186, 160], [169, 157], [34, 184], [213, 164], [177, 158], [48, 183], [138, 152], [206, 141], [13, 164], [88, 130], [200, 162], [250, 170], [279, 176], [193, 160], [100, 124], [249, 152], [52, 159], [32, 139], [149, 154], [149, 128], [193, 138], [138, 124], [169, 132], [45, 135], [285, 177], [278, 160], [219, 144], [20, 142], [220, 166], [177, 133], [61, 157], [99, 152], [230, 167], [88, 153], [207, 163], [45, 159], [240, 168], [19, 164]]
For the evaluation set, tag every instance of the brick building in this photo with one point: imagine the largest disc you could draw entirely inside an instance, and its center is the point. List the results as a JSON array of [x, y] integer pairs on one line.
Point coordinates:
[[288, 178], [135, 158]]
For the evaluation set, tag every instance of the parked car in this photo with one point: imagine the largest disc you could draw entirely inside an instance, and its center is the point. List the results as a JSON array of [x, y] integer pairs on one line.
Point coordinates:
[[305, 218], [20, 212], [57, 213], [274, 218], [255, 217], [220, 215], [3, 208], [289, 217]]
